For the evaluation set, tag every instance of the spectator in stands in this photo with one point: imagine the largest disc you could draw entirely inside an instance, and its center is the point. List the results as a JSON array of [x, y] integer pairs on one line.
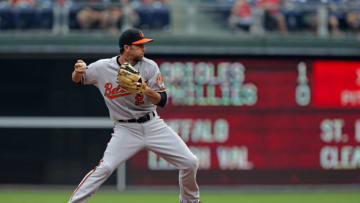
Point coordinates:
[[272, 12], [310, 15], [241, 15], [95, 16], [98, 16], [293, 14], [353, 21], [335, 14]]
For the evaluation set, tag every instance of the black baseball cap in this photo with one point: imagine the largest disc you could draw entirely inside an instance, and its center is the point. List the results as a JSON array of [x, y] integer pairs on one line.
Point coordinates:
[[133, 36]]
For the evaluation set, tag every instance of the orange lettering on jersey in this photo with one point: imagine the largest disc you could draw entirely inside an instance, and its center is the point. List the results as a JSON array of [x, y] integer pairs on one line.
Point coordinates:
[[112, 93], [159, 80], [108, 87]]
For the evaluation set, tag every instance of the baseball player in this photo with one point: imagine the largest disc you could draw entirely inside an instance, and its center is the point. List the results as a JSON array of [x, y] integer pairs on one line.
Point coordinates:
[[132, 107]]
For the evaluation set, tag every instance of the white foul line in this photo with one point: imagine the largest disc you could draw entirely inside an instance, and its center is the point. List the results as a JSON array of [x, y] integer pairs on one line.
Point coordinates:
[[55, 122]]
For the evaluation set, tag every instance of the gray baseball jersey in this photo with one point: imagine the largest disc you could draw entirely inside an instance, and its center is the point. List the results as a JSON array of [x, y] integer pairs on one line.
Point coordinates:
[[122, 104]]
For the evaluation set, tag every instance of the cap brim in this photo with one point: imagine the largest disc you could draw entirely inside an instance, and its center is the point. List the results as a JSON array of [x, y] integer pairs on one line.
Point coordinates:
[[142, 41]]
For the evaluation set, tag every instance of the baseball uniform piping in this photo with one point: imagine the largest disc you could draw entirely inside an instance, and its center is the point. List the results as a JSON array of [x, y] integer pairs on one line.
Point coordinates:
[[82, 182], [91, 172]]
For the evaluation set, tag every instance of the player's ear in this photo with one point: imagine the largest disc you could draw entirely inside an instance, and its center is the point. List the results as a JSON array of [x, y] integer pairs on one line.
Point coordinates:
[[126, 47]]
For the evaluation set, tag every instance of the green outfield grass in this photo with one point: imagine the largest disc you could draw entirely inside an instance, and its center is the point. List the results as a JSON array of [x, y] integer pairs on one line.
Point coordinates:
[[169, 197]]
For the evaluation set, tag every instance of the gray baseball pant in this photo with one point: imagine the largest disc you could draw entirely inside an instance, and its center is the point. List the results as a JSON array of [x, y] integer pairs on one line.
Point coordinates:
[[128, 139]]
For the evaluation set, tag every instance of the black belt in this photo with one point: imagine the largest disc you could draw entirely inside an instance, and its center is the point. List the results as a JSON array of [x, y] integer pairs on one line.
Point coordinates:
[[142, 119]]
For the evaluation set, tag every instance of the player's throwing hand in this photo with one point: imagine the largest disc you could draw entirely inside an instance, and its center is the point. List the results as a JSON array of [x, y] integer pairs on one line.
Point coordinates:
[[80, 66]]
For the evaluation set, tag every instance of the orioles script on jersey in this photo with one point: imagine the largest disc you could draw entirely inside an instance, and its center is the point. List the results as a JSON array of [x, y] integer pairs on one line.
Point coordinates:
[[112, 93]]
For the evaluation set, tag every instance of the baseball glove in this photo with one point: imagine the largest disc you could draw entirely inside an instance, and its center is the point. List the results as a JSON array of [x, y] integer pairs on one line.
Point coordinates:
[[130, 79]]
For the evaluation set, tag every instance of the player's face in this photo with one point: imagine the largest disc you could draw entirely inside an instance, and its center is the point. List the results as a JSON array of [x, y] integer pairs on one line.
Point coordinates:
[[136, 52]]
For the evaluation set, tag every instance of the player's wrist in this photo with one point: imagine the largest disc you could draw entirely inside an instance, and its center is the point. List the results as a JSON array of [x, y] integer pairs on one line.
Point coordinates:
[[76, 77], [153, 95], [147, 91]]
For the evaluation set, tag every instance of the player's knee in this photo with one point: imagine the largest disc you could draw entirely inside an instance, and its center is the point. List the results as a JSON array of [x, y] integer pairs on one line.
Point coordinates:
[[106, 168], [193, 162]]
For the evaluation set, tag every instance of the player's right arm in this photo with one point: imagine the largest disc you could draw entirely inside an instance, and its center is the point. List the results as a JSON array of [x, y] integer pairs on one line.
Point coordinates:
[[79, 69]]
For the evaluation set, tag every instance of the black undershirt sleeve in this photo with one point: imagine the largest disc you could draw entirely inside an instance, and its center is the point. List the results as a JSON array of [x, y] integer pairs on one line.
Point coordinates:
[[163, 99]]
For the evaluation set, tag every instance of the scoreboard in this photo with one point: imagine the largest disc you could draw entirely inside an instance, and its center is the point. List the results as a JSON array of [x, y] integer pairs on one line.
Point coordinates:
[[259, 121]]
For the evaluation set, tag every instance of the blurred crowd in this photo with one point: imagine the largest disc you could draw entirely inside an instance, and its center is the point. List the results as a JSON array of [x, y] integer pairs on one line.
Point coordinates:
[[332, 17], [335, 16], [62, 15]]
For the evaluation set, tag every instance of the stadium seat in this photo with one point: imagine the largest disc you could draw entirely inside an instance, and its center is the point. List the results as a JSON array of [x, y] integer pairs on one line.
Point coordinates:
[[7, 19], [153, 17]]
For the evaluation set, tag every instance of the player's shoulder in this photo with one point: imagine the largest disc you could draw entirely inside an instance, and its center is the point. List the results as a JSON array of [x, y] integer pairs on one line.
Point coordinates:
[[149, 62], [103, 61]]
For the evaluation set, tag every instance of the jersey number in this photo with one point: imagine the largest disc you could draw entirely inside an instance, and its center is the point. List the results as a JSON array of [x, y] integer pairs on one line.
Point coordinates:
[[139, 99]]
